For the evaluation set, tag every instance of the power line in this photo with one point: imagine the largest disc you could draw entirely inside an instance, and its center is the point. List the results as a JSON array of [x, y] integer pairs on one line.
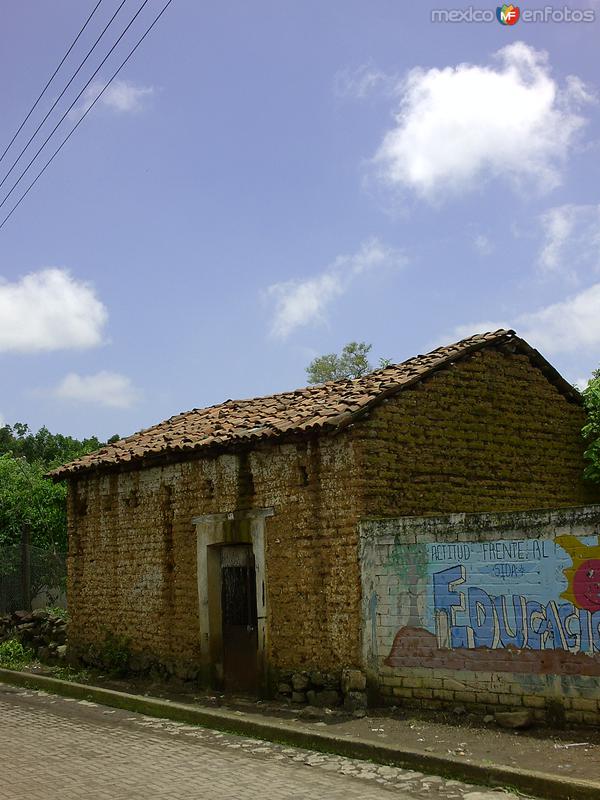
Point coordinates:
[[74, 128], [71, 79], [41, 94], [53, 131]]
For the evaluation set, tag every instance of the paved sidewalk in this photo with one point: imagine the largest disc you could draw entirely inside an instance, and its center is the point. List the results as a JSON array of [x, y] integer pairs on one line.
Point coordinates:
[[558, 765], [55, 748]]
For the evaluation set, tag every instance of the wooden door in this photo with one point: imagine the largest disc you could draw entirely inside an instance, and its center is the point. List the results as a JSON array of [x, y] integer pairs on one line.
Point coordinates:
[[239, 617]]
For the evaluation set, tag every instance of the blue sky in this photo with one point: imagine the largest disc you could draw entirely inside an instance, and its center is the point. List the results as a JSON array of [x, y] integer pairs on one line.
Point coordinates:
[[268, 181]]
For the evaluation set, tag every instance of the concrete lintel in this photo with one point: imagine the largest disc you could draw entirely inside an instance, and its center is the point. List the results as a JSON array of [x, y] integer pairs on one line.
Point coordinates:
[[251, 513]]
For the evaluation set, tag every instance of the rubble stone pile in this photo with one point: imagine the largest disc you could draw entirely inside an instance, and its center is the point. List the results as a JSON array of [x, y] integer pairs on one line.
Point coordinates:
[[321, 690], [42, 631]]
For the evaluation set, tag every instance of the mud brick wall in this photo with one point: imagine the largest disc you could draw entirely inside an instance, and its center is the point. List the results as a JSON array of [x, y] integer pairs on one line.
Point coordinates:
[[132, 557], [488, 434], [492, 610]]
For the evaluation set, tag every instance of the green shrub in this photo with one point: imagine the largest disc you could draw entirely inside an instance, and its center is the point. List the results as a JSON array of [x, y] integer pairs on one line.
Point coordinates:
[[116, 654], [591, 430], [112, 655], [58, 612], [13, 655]]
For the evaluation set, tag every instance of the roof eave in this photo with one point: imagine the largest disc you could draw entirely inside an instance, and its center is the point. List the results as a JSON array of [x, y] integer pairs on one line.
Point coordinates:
[[503, 339]]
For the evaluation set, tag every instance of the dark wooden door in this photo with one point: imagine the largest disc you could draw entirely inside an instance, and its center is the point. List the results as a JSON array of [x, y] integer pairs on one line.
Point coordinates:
[[238, 609]]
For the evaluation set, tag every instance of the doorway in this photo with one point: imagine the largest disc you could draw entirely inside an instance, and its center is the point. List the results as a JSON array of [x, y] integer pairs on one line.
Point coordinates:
[[218, 536], [239, 618]]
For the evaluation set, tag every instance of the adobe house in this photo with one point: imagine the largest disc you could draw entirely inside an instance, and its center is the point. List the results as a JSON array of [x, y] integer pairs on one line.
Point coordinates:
[[225, 542]]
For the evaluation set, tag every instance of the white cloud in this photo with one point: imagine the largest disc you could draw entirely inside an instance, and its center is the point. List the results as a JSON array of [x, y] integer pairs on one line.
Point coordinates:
[[558, 225], [483, 245], [459, 125], [371, 255], [49, 310], [121, 96], [567, 326], [571, 240], [104, 389], [298, 303], [361, 82], [302, 302]]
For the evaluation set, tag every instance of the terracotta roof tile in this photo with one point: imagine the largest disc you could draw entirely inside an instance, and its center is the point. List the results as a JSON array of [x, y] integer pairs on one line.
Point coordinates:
[[324, 407]]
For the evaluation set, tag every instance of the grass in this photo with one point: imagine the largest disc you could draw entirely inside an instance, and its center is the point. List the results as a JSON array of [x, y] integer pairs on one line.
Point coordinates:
[[14, 656], [68, 673]]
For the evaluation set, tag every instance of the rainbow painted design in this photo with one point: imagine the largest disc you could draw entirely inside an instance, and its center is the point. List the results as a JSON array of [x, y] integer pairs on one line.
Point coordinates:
[[583, 575], [508, 14]]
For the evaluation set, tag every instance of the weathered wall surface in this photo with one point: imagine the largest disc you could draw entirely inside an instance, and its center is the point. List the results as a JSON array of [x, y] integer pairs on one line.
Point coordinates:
[[488, 434], [493, 609], [132, 559]]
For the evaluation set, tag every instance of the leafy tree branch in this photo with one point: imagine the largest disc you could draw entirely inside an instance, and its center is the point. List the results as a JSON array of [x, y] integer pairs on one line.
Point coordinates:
[[352, 362]]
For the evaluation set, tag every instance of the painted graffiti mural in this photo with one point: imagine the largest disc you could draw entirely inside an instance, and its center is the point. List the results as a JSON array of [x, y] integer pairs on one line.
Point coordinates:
[[494, 608], [534, 594], [515, 604]]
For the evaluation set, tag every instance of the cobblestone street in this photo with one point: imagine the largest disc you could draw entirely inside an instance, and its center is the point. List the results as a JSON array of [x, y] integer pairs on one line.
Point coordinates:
[[53, 748]]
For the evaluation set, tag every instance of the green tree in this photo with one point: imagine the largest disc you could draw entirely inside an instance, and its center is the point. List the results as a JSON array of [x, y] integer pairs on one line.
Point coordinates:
[[27, 498], [352, 362], [50, 448], [591, 430]]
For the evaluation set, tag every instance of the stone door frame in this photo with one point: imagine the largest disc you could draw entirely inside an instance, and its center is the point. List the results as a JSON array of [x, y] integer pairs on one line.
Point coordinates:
[[213, 531]]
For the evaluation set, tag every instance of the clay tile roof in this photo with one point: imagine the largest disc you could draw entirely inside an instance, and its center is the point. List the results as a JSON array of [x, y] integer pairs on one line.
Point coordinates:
[[325, 407]]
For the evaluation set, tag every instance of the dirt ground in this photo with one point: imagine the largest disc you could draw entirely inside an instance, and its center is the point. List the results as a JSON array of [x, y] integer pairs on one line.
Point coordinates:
[[573, 752]]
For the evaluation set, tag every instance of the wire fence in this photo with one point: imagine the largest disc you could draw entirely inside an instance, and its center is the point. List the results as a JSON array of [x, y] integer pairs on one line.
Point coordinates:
[[31, 577]]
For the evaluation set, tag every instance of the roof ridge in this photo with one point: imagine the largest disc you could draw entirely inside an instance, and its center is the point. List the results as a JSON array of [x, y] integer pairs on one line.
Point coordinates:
[[327, 406]]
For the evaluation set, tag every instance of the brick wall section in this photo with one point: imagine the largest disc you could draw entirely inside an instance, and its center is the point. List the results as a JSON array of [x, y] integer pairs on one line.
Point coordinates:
[[422, 687], [488, 433], [132, 560]]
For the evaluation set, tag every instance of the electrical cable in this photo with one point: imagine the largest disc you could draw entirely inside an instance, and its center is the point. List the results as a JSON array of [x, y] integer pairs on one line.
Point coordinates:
[[41, 94], [53, 131], [72, 131], [55, 103]]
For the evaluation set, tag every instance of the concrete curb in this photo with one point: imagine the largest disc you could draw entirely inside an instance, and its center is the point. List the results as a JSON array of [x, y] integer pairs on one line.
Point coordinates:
[[527, 781]]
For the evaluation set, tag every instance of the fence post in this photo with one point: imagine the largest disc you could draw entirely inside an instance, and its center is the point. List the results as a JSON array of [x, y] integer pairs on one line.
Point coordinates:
[[26, 566]]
